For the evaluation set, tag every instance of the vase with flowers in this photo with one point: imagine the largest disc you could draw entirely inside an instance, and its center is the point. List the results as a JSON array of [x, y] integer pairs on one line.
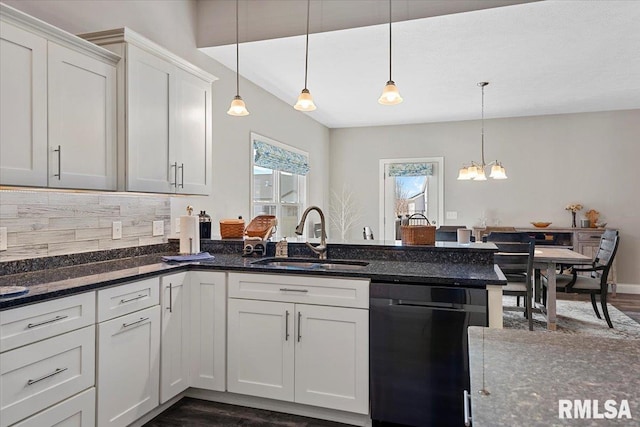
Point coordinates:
[[574, 208]]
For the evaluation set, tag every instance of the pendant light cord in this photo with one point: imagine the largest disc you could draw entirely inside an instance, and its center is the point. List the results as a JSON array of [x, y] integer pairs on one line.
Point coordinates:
[[482, 85], [390, 79], [306, 51], [237, 54]]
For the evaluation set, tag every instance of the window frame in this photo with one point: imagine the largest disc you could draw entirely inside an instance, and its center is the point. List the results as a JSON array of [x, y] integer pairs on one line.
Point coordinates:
[[276, 182]]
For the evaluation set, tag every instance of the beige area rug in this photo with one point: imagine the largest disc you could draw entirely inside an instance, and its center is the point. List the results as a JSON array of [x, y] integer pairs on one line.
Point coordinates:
[[576, 317]]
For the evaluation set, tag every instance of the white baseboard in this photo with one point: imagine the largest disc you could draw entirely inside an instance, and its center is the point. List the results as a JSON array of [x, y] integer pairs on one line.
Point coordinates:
[[627, 288]]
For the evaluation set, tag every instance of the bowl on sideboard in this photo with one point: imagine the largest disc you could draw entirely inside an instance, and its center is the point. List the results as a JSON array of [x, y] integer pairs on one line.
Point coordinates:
[[540, 224]]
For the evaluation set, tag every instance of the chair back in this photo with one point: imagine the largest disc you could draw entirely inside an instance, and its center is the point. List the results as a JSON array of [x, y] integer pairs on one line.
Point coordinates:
[[606, 252], [516, 260], [508, 236], [446, 235]]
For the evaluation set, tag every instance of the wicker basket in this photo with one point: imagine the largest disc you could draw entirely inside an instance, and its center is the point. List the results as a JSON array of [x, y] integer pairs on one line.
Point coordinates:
[[261, 226], [418, 231], [231, 228]]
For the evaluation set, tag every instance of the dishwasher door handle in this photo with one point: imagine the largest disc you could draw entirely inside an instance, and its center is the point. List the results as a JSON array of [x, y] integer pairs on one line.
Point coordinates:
[[467, 411]]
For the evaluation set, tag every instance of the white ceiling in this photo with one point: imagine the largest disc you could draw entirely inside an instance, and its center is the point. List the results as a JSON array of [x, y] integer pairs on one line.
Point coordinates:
[[540, 58]]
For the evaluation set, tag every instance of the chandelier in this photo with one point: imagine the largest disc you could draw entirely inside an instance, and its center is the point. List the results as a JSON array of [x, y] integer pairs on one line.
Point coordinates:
[[476, 170]]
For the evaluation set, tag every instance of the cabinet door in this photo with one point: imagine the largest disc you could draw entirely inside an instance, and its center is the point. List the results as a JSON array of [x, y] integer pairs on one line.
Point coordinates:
[[128, 367], [332, 357], [208, 330], [174, 342], [82, 120], [149, 86], [77, 411], [261, 349], [23, 107], [192, 133]]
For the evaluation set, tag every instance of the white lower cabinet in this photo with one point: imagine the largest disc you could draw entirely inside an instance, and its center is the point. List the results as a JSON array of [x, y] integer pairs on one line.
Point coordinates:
[[300, 352], [128, 367], [208, 295], [77, 411], [42, 374], [174, 341]]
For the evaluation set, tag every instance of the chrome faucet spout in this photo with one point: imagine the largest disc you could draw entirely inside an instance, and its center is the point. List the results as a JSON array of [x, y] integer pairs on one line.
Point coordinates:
[[321, 249]]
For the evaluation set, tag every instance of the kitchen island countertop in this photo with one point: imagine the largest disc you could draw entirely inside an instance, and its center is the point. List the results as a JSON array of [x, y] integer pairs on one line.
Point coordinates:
[[56, 282]]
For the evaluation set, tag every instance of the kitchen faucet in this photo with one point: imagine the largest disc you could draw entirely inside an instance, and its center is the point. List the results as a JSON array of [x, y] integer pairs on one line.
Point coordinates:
[[321, 249]]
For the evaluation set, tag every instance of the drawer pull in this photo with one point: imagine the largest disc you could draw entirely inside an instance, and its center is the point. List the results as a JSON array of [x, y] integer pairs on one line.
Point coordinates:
[[293, 290], [142, 319], [33, 325], [122, 301], [44, 377]]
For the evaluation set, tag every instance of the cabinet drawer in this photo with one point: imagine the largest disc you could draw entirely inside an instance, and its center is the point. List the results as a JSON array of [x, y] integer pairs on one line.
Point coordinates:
[[25, 325], [305, 289], [39, 375], [125, 299], [590, 236], [80, 410]]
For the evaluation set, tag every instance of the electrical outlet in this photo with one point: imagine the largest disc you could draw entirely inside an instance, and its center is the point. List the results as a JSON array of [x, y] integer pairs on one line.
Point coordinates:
[[177, 226], [3, 238], [116, 230], [452, 215], [158, 228]]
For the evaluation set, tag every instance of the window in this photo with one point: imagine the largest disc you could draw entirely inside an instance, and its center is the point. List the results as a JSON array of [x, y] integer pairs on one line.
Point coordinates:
[[278, 181]]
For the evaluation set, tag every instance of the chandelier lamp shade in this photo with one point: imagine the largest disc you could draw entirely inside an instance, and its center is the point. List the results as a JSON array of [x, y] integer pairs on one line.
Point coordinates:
[[476, 170], [305, 100], [237, 108], [390, 94]]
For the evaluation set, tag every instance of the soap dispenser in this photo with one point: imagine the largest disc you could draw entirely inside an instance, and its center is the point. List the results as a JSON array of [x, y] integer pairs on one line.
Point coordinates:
[[282, 248]]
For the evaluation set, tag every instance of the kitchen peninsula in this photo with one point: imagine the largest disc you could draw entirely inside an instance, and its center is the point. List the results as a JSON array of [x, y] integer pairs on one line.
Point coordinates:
[[135, 293]]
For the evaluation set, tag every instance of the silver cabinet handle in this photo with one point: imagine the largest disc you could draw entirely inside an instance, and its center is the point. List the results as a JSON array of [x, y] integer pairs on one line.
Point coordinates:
[[33, 325], [142, 319], [122, 301], [467, 413], [181, 167], [175, 174], [293, 290], [44, 377], [59, 151], [299, 325], [170, 308], [286, 327]]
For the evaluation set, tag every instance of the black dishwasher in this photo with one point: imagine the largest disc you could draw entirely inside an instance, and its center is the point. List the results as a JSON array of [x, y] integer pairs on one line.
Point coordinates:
[[419, 364]]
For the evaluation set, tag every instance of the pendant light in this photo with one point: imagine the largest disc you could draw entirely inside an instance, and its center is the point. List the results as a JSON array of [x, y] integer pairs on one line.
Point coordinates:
[[476, 171], [237, 107], [390, 94], [305, 100]]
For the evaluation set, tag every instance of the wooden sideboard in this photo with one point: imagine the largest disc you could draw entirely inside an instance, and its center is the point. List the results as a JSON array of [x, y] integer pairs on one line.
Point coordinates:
[[583, 240]]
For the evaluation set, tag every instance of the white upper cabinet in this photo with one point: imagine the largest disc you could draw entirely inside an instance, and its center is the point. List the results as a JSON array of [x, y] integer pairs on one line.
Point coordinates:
[[58, 107], [164, 122]]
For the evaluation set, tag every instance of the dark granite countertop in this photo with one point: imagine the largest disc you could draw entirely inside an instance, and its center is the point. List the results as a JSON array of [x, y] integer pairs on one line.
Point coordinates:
[[53, 283], [527, 373]]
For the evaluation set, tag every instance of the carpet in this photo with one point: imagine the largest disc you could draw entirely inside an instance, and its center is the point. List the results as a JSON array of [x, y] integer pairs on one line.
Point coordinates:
[[576, 317]]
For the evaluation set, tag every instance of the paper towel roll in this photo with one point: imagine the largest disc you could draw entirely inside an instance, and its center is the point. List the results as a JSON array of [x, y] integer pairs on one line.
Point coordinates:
[[189, 235]]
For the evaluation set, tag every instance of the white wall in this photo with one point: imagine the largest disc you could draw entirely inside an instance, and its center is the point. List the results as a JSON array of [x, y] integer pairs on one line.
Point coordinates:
[[551, 161], [171, 24]]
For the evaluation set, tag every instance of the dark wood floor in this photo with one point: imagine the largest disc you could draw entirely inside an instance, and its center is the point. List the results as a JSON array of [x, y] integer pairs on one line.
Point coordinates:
[[190, 412]]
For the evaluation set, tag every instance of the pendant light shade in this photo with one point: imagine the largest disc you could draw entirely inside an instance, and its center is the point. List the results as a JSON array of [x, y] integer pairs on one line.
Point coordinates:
[[305, 100], [237, 107], [476, 171], [390, 94]]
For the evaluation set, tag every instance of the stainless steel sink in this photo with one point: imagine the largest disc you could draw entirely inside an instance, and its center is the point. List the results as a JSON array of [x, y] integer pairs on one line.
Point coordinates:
[[312, 264]]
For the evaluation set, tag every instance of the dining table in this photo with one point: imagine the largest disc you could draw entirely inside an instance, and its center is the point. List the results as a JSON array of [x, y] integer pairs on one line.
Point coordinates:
[[546, 259]]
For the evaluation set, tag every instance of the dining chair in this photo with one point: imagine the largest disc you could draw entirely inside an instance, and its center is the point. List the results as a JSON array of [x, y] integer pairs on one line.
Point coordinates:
[[506, 237], [595, 283], [516, 262]]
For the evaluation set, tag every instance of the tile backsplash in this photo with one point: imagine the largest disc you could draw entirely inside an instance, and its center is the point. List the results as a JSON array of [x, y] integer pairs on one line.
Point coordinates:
[[46, 223]]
